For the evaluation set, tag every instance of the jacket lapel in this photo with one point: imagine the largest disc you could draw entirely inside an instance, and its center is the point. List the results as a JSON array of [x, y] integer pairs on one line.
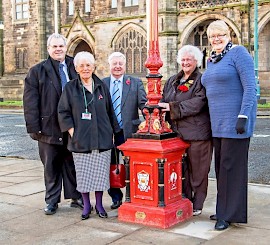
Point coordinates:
[[126, 88], [53, 76]]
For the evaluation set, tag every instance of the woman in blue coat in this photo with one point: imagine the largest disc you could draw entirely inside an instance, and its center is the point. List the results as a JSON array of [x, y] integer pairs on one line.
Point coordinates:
[[231, 92]]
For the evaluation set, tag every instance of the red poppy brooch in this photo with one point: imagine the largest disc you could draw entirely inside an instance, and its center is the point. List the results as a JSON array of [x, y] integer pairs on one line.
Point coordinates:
[[128, 81], [185, 87]]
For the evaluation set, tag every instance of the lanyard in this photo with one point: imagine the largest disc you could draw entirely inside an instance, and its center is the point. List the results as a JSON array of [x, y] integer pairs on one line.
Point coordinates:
[[84, 96]]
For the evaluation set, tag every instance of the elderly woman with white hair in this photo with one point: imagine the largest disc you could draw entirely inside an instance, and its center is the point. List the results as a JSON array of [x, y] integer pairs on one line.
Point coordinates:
[[185, 101], [85, 110]]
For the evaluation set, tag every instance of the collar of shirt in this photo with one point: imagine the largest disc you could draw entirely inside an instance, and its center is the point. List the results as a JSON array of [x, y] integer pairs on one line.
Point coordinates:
[[120, 84]]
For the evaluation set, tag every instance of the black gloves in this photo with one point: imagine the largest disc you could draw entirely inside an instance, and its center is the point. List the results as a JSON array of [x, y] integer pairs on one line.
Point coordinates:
[[241, 125], [119, 138]]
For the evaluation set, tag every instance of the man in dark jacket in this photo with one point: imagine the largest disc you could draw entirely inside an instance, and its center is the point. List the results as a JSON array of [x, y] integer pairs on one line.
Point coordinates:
[[131, 98], [43, 87]]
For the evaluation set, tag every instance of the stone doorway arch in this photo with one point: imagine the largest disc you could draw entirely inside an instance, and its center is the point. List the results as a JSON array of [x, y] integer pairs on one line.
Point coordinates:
[[79, 45]]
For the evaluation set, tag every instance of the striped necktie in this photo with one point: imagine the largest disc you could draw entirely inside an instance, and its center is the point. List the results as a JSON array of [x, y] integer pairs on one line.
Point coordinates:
[[116, 100], [62, 76]]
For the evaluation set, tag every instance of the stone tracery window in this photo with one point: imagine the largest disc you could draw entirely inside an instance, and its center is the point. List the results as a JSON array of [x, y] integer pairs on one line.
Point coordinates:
[[133, 45]]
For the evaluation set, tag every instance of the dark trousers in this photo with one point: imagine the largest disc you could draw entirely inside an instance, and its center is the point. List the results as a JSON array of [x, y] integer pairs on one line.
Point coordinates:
[[115, 193], [231, 166], [58, 169], [198, 161]]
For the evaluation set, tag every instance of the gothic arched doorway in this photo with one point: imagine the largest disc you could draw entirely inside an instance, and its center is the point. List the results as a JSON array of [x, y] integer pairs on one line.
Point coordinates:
[[82, 46]]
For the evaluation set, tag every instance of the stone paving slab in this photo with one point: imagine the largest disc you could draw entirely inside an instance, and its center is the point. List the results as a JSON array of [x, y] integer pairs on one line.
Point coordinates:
[[22, 220]]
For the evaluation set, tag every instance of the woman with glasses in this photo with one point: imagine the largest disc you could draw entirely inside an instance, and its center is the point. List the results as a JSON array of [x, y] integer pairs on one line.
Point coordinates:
[[231, 92], [185, 100]]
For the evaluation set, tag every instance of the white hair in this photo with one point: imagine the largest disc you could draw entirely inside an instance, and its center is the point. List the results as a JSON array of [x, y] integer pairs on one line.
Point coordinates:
[[56, 35], [191, 50], [118, 55], [84, 55]]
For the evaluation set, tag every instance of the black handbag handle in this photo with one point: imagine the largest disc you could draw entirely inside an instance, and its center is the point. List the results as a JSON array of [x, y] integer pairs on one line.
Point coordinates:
[[117, 162]]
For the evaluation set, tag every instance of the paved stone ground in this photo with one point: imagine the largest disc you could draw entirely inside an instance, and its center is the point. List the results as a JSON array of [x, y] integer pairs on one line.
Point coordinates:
[[22, 220]]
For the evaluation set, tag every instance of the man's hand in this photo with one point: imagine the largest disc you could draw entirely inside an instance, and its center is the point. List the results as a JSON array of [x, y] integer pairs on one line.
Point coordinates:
[[241, 125]]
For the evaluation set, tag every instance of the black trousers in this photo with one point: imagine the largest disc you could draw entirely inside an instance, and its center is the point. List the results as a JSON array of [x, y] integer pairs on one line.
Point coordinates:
[[58, 169], [231, 166]]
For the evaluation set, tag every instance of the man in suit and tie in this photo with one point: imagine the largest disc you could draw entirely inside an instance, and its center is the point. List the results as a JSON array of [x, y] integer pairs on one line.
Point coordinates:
[[128, 96], [42, 90]]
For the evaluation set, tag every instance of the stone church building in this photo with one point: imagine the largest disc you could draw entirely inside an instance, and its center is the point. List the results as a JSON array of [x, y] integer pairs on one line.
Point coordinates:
[[104, 26]]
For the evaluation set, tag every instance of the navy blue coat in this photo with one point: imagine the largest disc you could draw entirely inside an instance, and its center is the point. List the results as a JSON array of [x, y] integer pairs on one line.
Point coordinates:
[[94, 134], [42, 91]]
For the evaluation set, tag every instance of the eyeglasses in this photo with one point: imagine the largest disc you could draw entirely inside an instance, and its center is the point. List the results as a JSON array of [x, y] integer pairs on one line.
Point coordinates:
[[218, 36]]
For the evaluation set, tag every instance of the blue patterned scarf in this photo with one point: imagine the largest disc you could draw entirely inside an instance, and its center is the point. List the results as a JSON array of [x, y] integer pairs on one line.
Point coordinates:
[[217, 57]]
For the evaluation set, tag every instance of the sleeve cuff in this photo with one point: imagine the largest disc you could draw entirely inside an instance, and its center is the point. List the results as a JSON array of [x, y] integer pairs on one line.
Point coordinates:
[[242, 116]]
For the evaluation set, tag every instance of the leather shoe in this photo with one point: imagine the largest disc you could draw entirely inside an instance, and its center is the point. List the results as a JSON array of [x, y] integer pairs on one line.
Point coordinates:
[[213, 217], [50, 209], [101, 215], [221, 225], [76, 203], [116, 204]]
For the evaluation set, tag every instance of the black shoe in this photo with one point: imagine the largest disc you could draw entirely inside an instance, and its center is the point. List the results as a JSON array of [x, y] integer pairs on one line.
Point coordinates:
[[86, 216], [101, 215], [221, 225], [50, 209], [213, 217], [76, 203], [116, 204]]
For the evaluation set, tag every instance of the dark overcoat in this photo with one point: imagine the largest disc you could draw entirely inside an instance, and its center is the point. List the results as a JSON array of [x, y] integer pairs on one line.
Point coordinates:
[[189, 113], [42, 91], [93, 134], [133, 99]]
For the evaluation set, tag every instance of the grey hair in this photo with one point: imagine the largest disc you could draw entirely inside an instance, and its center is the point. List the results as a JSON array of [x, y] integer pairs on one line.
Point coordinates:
[[116, 54], [56, 35], [83, 55], [191, 50]]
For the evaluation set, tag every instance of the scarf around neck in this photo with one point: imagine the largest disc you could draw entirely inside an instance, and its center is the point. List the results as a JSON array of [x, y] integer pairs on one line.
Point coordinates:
[[217, 57]]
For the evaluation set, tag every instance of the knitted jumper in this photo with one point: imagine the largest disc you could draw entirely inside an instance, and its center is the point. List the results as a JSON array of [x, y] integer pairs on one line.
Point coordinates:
[[231, 91]]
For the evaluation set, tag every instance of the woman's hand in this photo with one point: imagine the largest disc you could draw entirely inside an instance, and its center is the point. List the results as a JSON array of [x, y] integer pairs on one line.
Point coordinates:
[[71, 132], [165, 106]]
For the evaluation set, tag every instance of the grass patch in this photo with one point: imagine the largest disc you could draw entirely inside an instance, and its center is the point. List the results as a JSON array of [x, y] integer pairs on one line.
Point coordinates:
[[11, 104], [266, 105]]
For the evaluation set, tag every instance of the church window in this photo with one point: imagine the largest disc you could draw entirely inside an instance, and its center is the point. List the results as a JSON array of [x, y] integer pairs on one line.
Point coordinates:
[[87, 6], [21, 9], [71, 7], [133, 45], [114, 3], [131, 3]]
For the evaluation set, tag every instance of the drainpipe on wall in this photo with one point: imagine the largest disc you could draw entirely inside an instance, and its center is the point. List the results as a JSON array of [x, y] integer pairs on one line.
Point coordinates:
[[256, 48], [249, 28]]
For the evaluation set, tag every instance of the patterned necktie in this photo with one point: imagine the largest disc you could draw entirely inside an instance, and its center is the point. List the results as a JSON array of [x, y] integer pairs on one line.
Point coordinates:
[[116, 100], [62, 76]]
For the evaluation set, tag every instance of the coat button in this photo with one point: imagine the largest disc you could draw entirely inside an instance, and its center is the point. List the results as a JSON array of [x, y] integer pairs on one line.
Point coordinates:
[[60, 139]]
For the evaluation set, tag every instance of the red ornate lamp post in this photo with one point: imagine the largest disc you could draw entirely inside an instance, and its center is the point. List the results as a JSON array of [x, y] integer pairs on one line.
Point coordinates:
[[154, 118], [153, 156]]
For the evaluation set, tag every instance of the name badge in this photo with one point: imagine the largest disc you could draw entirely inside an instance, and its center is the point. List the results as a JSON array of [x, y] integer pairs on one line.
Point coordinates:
[[86, 116]]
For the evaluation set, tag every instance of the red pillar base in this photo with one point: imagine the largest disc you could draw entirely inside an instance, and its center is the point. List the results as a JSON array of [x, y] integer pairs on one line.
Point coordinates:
[[160, 217]]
